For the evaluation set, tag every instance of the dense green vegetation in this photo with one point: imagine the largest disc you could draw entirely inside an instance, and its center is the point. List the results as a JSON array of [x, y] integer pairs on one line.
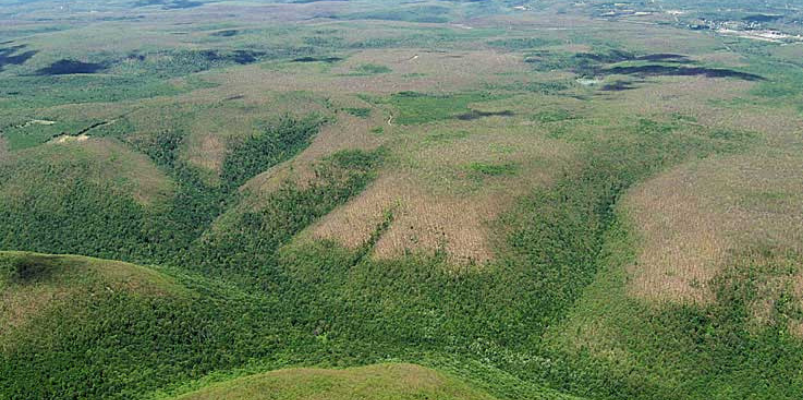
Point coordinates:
[[22, 92], [248, 248], [419, 108], [123, 229], [371, 69], [328, 304], [522, 43], [481, 169], [258, 153], [430, 14], [194, 331], [358, 111], [711, 352]]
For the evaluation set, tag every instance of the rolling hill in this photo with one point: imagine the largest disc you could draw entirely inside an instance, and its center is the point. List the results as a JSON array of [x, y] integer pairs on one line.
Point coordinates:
[[384, 381]]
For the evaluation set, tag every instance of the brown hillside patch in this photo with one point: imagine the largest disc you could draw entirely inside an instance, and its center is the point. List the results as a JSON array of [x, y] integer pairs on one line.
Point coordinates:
[[207, 151], [269, 181], [18, 306], [693, 217], [439, 191], [137, 172], [779, 126], [425, 221], [422, 223], [412, 70], [348, 132], [457, 227], [682, 94]]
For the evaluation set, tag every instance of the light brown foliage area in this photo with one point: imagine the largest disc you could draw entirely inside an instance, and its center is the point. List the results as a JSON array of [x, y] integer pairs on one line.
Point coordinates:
[[438, 203], [422, 222], [695, 217], [209, 132], [20, 305], [348, 132], [708, 102], [207, 151], [146, 181], [683, 95], [435, 72], [780, 127]]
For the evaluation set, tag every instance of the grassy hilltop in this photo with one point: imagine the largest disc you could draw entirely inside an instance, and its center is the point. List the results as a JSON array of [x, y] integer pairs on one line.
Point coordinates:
[[397, 381], [373, 199]]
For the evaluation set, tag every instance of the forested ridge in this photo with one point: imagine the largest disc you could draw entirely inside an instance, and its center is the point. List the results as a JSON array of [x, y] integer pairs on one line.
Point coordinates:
[[317, 302]]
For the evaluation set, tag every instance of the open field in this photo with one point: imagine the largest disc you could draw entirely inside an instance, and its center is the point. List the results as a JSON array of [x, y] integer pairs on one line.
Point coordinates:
[[373, 199]]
